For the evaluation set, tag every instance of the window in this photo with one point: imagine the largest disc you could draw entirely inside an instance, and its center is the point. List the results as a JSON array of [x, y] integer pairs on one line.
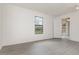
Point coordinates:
[[38, 25], [66, 26]]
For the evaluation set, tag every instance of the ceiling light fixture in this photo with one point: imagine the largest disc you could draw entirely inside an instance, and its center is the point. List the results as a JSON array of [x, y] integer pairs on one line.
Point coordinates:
[[77, 7]]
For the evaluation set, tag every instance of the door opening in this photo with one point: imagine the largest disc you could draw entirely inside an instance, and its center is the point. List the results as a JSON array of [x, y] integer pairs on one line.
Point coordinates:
[[66, 27]]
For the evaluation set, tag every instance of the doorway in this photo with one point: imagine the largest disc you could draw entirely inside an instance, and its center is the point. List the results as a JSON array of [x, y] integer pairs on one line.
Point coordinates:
[[66, 27]]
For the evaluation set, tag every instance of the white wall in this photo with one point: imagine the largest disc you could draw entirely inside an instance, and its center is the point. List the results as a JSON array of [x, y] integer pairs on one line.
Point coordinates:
[[18, 25], [0, 26], [57, 27], [74, 25]]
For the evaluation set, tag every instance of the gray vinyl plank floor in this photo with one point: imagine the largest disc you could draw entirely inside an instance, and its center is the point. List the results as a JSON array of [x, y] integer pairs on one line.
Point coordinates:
[[43, 47]]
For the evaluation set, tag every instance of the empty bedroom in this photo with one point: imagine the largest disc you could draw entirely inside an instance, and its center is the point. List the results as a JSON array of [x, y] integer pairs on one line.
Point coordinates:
[[39, 28]]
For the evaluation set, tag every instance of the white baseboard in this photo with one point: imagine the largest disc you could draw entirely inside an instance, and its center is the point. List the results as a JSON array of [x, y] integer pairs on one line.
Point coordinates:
[[23, 42]]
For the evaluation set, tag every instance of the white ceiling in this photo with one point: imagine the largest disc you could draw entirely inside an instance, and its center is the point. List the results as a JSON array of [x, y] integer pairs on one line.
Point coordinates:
[[53, 9]]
